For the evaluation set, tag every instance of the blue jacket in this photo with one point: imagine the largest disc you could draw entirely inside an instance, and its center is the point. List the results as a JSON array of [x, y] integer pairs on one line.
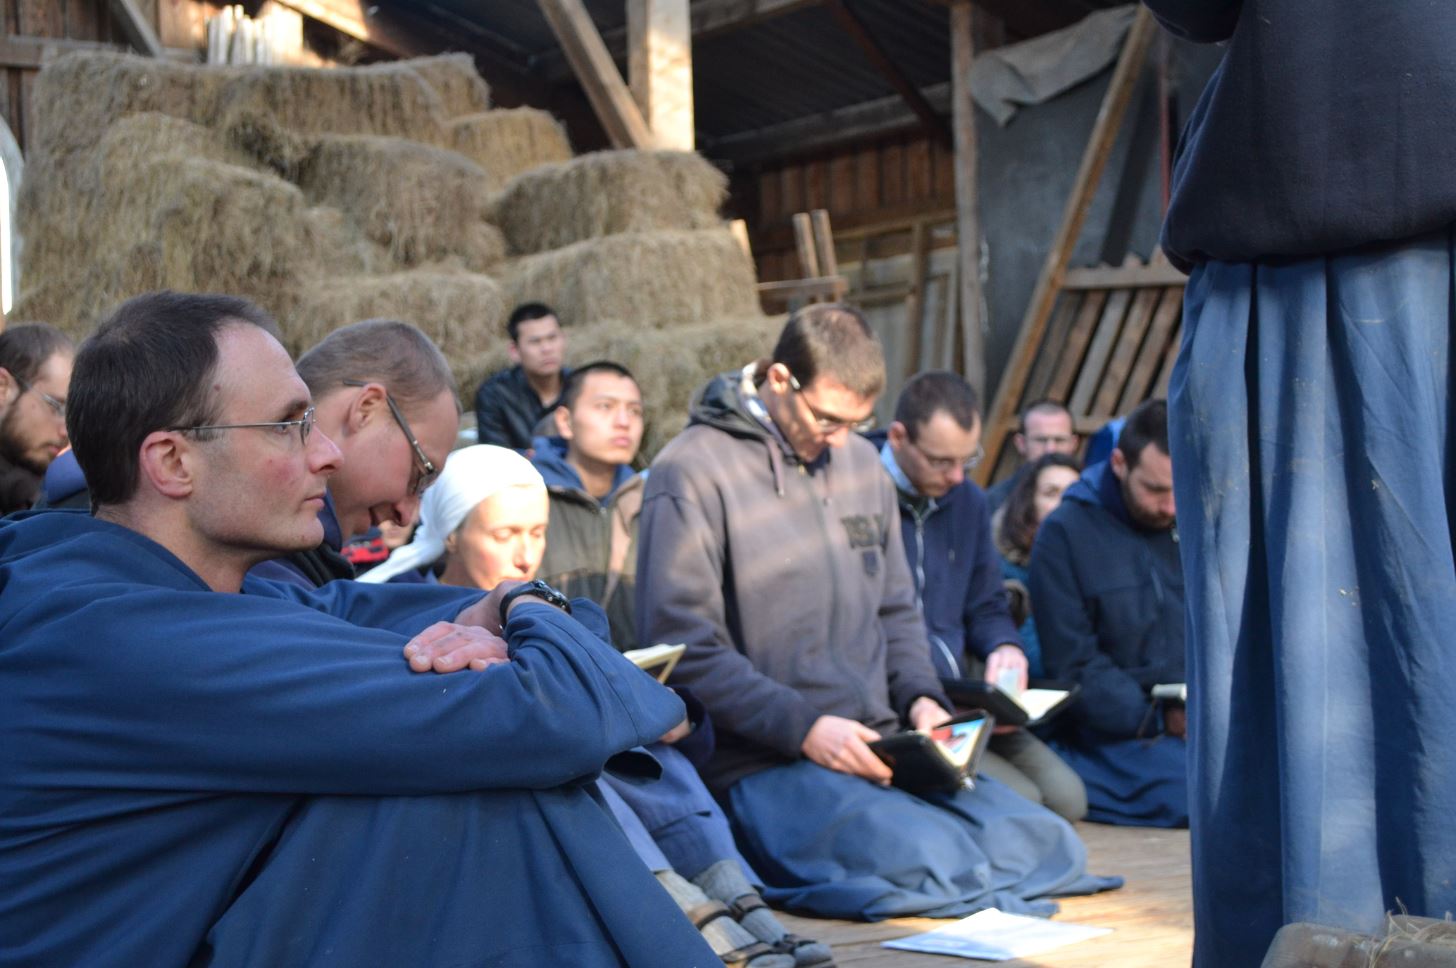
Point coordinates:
[[956, 570], [1108, 601], [188, 776]]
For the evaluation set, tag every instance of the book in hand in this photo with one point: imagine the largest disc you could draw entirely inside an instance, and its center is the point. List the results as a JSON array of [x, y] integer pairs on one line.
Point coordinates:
[[1175, 691], [944, 759], [659, 660], [1030, 707]]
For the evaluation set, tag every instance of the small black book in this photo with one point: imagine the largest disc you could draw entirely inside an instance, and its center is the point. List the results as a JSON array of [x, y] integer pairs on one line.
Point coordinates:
[[1042, 700], [944, 759]]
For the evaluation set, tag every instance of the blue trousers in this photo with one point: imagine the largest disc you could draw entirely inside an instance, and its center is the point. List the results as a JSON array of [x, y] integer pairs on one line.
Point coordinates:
[[1312, 453], [840, 846]]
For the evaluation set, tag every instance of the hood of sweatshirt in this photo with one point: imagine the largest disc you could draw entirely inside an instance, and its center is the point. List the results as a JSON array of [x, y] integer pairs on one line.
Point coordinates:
[[550, 459]]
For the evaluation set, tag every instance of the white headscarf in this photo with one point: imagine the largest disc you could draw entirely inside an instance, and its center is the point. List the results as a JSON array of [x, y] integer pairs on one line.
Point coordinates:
[[471, 475]]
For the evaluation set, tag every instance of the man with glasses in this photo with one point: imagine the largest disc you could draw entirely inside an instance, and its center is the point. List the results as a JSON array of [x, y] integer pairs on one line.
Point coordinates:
[[929, 452], [35, 376], [1046, 428], [385, 395], [767, 546], [198, 766]]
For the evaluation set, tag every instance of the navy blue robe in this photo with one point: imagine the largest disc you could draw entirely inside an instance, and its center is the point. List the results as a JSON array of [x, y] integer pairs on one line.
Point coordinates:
[[257, 778], [1312, 457]]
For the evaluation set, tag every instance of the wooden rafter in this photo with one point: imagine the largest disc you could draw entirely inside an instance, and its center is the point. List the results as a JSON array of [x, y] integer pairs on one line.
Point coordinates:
[[881, 61], [137, 28], [598, 74]]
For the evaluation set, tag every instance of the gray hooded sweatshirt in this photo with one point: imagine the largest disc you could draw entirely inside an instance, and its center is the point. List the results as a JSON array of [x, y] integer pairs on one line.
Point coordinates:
[[787, 582]]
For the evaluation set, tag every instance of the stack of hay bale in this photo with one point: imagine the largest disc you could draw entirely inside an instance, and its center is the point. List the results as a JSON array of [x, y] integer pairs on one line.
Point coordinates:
[[330, 196]]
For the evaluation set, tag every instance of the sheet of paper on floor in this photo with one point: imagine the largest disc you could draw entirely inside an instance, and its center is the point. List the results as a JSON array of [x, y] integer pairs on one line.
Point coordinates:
[[991, 935]]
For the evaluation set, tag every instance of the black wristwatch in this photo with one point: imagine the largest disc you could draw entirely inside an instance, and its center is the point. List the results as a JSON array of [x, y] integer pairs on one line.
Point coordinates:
[[536, 589]]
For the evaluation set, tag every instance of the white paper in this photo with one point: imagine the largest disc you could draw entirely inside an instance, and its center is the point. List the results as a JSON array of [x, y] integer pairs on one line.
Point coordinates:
[[992, 935], [1036, 702]]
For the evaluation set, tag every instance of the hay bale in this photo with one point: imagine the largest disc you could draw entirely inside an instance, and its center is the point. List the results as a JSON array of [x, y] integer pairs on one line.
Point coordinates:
[[462, 312], [508, 142], [419, 202], [454, 79], [606, 193], [653, 279], [78, 95]]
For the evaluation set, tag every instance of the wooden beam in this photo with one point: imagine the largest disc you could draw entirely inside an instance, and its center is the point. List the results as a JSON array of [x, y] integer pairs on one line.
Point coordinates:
[[802, 136], [1074, 215], [362, 21], [597, 73], [137, 28], [881, 61], [1123, 277], [968, 217], [709, 19], [660, 69], [32, 53]]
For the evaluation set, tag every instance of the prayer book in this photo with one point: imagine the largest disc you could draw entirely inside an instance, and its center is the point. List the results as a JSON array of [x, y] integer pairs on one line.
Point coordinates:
[[1176, 691], [1030, 707], [659, 660], [943, 759], [993, 935]]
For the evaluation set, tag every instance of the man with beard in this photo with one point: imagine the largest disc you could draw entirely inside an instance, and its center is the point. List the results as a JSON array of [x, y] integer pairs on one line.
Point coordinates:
[[1107, 592], [35, 376]]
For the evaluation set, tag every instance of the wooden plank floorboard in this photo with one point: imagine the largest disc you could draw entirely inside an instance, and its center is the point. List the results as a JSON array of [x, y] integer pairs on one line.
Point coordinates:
[[1151, 917]]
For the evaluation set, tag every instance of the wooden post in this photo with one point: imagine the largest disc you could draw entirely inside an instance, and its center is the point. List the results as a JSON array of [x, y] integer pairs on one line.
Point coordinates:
[[968, 220], [137, 28], [597, 73], [660, 69], [1084, 187]]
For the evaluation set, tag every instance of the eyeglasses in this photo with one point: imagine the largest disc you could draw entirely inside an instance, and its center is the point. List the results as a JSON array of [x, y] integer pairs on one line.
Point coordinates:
[[945, 465], [425, 470], [280, 427], [829, 425], [57, 406]]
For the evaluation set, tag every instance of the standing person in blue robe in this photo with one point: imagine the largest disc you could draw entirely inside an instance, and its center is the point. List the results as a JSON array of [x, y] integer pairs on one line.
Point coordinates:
[[202, 767], [768, 545], [1107, 589], [1313, 204]]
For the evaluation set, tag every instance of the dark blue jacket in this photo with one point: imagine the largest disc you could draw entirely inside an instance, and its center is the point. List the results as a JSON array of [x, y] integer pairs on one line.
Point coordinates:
[[1325, 127], [957, 573], [1108, 601], [193, 777]]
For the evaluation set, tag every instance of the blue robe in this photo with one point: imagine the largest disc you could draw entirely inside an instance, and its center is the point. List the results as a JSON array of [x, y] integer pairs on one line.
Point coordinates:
[[257, 778], [1312, 458]]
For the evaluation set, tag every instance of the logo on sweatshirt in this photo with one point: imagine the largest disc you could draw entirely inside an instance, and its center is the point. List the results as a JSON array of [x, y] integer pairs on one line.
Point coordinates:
[[864, 533]]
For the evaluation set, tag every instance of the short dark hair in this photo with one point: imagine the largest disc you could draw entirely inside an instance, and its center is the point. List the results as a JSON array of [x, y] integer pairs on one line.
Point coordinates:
[[148, 366], [1147, 424], [386, 351], [525, 313], [25, 348], [1044, 405], [1018, 520], [834, 340], [571, 390], [932, 392]]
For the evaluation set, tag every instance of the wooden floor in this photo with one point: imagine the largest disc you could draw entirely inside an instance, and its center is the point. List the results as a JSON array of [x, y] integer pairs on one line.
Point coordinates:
[[1151, 917]]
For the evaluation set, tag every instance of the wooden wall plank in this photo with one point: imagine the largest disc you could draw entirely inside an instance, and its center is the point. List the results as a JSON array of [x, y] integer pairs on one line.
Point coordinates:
[[1047, 356], [892, 174], [943, 174], [867, 179], [770, 196], [41, 18], [1164, 327], [1104, 341], [919, 176], [841, 184], [1070, 353], [791, 189], [816, 184]]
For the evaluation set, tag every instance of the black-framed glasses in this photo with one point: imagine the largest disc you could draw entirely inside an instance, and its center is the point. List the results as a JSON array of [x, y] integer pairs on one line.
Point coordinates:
[[57, 406], [280, 427], [829, 425], [425, 469], [944, 465]]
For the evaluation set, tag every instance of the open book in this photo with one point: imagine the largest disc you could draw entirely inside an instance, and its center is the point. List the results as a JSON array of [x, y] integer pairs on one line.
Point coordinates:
[[1030, 707], [944, 759], [659, 660]]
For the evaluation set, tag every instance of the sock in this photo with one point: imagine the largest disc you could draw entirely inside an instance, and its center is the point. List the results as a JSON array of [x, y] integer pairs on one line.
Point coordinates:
[[726, 882], [722, 934]]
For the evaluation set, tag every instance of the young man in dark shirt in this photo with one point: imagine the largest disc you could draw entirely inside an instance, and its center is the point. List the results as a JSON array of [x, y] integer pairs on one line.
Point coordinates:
[[509, 405]]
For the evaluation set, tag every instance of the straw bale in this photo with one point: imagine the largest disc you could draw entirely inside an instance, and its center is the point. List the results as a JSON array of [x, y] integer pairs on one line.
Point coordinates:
[[654, 279], [79, 94], [454, 78], [421, 202], [608, 192], [462, 312], [507, 142]]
